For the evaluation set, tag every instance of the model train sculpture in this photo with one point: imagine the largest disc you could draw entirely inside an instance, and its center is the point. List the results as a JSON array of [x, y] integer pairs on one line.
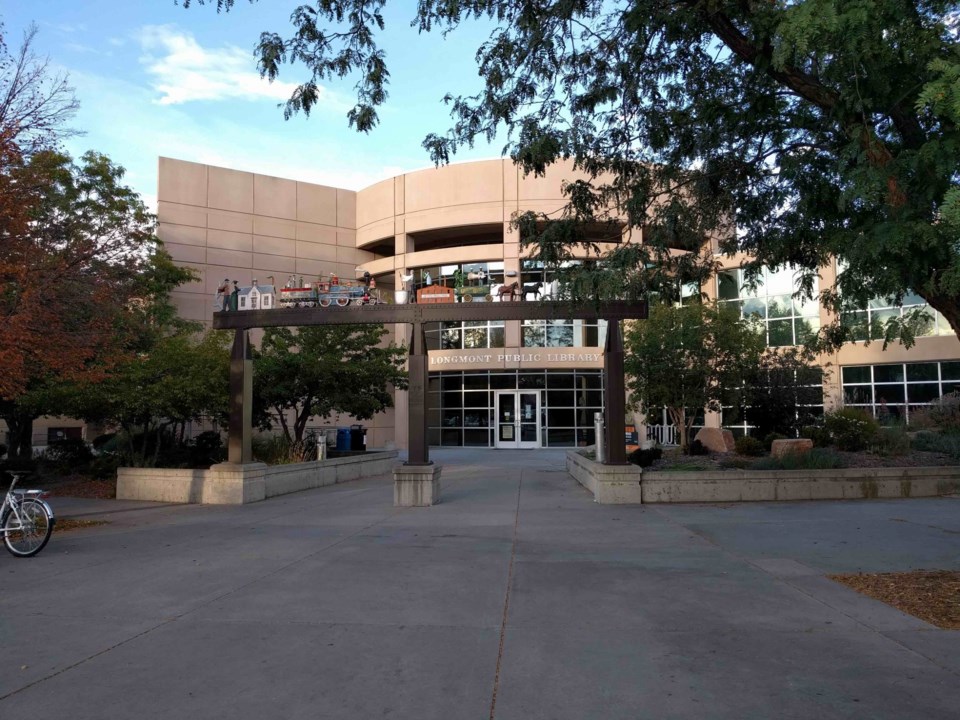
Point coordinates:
[[333, 292]]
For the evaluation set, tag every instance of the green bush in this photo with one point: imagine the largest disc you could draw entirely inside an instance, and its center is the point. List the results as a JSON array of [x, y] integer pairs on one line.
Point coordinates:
[[645, 458], [890, 441], [816, 459], [768, 440], [944, 415], [277, 450], [937, 442], [104, 466], [749, 446], [735, 463], [851, 428], [207, 449], [817, 434], [68, 454], [105, 443]]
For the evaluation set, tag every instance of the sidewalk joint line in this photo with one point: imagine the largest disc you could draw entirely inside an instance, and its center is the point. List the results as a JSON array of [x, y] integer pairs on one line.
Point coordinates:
[[506, 604]]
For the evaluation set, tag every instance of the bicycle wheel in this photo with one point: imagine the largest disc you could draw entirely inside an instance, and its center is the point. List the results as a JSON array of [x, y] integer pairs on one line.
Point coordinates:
[[27, 538]]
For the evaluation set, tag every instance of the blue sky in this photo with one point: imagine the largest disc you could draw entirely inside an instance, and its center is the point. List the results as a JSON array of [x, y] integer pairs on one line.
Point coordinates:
[[154, 79]]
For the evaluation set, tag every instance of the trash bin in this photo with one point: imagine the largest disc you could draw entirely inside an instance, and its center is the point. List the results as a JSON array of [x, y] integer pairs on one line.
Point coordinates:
[[343, 439], [358, 438]]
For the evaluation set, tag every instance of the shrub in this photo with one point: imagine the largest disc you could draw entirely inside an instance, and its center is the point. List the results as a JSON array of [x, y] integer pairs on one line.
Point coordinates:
[[749, 446], [890, 441], [697, 448], [645, 458], [735, 463], [851, 428], [816, 459], [68, 454], [819, 435], [768, 440], [104, 467], [936, 442], [207, 449], [277, 450], [3, 450], [105, 443], [944, 414]]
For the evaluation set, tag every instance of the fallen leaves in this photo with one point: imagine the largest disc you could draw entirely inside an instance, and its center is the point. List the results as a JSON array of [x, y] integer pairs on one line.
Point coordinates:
[[931, 595]]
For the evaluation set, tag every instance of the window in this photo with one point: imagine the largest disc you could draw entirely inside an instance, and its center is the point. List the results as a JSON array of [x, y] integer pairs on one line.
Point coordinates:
[[465, 335], [787, 320], [892, 390], [563, 333]]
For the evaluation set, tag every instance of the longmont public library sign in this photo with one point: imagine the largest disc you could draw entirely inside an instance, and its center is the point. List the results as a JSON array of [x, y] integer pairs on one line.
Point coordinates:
[[512, 359]]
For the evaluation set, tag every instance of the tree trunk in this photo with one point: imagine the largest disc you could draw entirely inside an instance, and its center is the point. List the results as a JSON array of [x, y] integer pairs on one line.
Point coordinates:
[[679, 418], [946, 305], [20, 427]]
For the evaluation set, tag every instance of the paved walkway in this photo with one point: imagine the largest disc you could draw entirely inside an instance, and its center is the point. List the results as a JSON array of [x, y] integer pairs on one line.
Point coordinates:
[[517, 597]]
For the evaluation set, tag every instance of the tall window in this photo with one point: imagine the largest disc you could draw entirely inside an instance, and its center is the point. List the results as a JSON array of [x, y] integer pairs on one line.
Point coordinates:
[[869, 323], [563, 333], [787, 320], [472, 334], [893, 390]]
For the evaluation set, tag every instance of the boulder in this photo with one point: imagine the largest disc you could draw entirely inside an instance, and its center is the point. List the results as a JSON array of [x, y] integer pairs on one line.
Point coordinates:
[[716, 439], [787, 447]]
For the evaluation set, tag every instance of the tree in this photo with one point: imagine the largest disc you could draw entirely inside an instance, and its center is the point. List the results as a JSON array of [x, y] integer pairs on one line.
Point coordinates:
[[793, 131], [688, 359], [181, 377], [780, 392], [316, 371]]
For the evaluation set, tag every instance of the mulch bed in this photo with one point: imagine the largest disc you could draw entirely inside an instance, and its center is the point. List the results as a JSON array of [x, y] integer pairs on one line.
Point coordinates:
[[931, 595], [78, 486]]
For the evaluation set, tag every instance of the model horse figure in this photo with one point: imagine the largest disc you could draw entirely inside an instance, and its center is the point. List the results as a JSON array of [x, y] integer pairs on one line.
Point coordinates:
[[532, 289], [513, 290]]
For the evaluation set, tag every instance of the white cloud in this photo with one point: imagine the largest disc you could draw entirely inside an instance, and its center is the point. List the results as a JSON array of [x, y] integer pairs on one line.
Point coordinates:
[[183, 71]]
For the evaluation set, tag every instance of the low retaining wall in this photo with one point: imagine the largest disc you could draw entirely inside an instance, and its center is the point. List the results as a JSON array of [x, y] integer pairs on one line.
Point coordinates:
[[227, 484], [762, 485]]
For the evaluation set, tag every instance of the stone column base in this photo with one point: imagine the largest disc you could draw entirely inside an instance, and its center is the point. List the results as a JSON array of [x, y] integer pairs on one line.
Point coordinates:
[[416, 485]]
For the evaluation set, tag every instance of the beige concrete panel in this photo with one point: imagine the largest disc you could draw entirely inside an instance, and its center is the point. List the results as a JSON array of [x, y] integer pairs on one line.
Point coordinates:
[[473, 253], [316, 204], [550, 207], [215, 274], [375, 232], [511, 333], [511, 178], [182, 234], [316, 251], [347, 238], [462, 184], [375, 203], [398, 195], [186, 253], [193, 307], [363, 256], [230, 190], [274, 245], [348, 256], [234, 258], [265, 264], [181, 214], [197, 286], [944, 347], [399, 225], [402, 244], [274, 197], [274, 227], [346, 209], [316, 234], [225, 240], [232, 221], [511, 250], [314, 268], [379, 267], [347, 271], [182, 182], [455, 216], [547, 187]]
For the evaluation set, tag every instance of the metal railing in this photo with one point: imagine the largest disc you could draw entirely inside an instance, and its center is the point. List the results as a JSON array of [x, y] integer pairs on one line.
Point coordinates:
[[662, 434]]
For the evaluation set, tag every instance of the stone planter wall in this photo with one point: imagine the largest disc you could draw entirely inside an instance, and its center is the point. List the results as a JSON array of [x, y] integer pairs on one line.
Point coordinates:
[[608, 486], [227, 484]]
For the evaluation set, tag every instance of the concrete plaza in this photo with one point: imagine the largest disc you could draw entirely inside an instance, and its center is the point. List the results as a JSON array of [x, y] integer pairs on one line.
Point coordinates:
[[517, 597]]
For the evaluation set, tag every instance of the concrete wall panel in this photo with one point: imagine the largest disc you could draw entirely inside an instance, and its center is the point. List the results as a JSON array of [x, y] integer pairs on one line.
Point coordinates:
[[182, 234], [225, 240], [274, 227], [375, 203], [230, 190], [375, 232], [346, 208], [186, 253], [178, 214], [281, 264], [233, 258], [182, 182], [463, 184], [274, 197], [316, 204], [316, 234], [274, 245], [316, 251], [232, 221]]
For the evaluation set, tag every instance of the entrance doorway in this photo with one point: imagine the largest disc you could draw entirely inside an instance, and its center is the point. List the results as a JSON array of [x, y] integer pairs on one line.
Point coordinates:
[[518, 419]]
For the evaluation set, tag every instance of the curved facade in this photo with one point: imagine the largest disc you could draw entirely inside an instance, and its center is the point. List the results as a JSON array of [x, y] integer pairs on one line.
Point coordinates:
[[514, 384]]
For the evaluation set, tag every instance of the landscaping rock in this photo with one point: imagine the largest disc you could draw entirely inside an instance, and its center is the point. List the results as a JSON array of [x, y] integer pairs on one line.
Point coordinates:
[[716, 440], [791, 446]]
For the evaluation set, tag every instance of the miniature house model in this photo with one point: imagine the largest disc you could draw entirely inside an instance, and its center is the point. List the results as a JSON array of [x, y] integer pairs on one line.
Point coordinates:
[[256, 297]]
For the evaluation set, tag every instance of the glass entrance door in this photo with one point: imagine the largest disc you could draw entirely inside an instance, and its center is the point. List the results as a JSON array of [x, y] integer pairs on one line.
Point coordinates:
[[518, 419]]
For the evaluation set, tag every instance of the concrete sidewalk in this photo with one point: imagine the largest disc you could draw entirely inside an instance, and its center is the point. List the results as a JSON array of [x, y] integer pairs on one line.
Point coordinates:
[[516, 597]]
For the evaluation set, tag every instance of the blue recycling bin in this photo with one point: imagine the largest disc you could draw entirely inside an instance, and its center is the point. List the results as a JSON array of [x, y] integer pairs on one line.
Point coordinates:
[[343, 439]]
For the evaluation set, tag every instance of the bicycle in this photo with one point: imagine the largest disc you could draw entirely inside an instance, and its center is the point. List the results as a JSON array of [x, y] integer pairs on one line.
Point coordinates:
[[26, 520]]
